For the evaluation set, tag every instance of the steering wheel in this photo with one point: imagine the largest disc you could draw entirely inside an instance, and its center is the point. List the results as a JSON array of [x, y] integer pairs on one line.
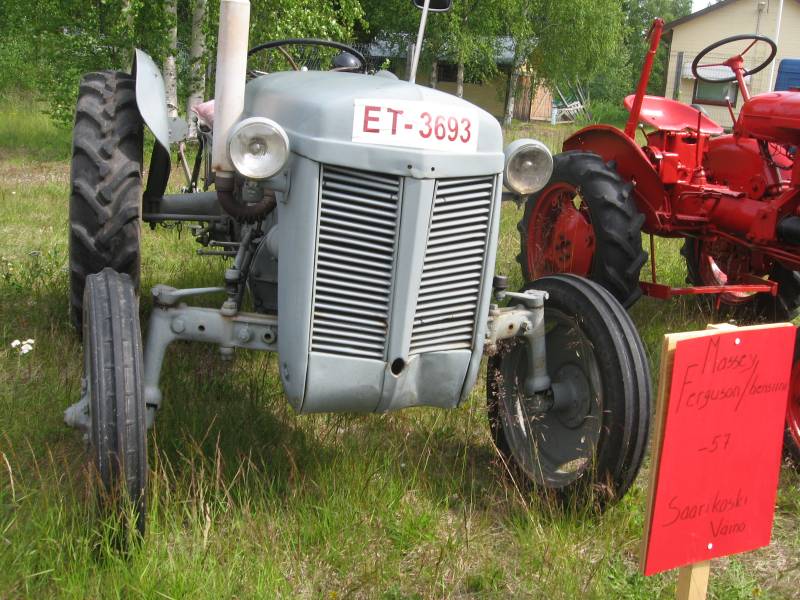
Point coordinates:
[[754, 39], [305, 43]]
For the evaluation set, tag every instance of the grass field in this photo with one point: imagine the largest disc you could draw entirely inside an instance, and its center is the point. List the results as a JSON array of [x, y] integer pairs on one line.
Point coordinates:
[[248, 500]]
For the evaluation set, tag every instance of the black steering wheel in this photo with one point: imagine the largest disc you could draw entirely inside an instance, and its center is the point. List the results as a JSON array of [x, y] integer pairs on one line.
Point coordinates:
[[307, 44], [753, 39]]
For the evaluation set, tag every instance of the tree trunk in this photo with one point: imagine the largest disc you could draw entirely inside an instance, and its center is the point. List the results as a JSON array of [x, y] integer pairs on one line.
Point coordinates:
[[197, 72], [435, 73], [460, 79], [129, 20], [409, 58], [170, 66], [513, 77]]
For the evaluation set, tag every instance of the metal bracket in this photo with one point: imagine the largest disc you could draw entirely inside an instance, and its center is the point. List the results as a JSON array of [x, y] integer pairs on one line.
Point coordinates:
[[169, 323], [77, 415], [164, 295], [523, 320], [513, 197]]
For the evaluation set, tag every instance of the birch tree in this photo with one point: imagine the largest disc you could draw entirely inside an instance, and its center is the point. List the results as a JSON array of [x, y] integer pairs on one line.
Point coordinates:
[[560, 42], [473, 29], [640, 15], [170, 62], [197, 70]]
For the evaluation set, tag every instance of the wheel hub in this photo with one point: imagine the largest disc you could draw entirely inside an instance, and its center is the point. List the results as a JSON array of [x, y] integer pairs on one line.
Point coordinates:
[[572, 398], [562, 234], [553, 434]]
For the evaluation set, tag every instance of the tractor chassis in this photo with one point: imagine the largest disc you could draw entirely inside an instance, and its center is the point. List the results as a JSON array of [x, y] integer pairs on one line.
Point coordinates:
[[661, 291], [173, 320]]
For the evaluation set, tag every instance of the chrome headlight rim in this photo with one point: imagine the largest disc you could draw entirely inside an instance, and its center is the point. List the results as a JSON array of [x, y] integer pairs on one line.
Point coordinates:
[[276, 148], [512, 180]]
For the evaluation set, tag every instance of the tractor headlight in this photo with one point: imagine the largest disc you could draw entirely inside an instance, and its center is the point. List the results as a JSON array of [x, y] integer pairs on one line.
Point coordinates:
[[529, 166], [258, 147]]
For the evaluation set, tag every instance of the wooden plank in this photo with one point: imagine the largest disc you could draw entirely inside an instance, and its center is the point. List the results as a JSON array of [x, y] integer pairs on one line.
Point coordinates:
[[693, 581]]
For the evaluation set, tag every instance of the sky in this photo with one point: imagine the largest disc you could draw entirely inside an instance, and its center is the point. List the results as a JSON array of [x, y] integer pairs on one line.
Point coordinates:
[[699, 4]]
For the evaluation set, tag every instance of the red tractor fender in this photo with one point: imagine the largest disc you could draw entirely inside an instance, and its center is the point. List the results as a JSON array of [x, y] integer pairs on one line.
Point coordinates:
[[631, 163]]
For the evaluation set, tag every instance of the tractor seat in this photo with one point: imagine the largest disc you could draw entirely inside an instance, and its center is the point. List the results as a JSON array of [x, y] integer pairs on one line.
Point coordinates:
[[669, 115], [205, 113]]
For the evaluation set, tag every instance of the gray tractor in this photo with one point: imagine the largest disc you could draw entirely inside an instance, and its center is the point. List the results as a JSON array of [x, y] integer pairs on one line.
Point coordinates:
[[360, 214]]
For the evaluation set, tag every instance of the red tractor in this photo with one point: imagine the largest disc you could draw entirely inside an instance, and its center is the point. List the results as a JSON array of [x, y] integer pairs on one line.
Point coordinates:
[[734, 198]]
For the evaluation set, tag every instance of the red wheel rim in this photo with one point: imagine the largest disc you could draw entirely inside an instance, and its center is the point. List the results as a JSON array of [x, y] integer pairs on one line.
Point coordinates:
[[793, 410], [722, 263], [561, 238]]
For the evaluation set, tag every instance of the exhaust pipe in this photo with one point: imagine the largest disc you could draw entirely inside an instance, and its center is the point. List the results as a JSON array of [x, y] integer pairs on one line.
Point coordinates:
[[234, 29]]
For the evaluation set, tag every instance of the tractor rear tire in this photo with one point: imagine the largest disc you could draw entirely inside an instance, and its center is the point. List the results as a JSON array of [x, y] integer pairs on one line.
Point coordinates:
[[585, 453], [791, 442], [785, 306], [756, 307], [584, 222], [113, 380], [106, 183]]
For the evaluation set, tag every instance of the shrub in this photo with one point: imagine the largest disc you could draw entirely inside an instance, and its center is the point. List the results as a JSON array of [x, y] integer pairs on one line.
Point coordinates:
[[606, 112]]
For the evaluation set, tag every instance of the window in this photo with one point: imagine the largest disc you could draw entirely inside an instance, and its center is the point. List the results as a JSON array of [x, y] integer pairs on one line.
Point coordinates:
[[715, 94]]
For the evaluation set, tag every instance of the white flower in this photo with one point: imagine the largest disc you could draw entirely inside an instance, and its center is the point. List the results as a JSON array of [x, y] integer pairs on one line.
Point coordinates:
[[23, 347]]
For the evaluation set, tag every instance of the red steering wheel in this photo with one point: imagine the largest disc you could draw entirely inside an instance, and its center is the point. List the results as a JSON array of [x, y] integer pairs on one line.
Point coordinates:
[[753, 39]]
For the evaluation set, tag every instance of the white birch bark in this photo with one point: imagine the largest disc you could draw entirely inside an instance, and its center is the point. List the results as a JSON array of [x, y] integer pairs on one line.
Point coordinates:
[[128, 16], [513, 77], [170, 65], [197, 72]]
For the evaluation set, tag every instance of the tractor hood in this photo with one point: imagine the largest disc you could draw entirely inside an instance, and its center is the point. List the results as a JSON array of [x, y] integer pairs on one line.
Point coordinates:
[[321, 111]]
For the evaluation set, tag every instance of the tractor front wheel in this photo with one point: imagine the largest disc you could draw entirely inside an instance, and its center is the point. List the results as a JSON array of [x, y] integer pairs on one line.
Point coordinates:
[[106, 183], [584, 222], [113, 384], [584, 447]]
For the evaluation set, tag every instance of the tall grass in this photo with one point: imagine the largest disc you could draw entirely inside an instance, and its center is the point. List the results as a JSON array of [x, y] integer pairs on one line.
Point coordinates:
[[248, 500], [27, 132]]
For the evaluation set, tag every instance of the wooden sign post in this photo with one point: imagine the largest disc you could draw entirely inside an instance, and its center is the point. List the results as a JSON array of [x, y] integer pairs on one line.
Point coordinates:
[[717, 448]]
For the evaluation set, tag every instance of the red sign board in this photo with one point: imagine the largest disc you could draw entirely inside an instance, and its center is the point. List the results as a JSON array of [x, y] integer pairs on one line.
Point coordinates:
[[720, 438]]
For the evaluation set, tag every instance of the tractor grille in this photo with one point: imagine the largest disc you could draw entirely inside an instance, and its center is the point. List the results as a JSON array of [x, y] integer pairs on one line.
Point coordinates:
[[453, 271], [358, 222]]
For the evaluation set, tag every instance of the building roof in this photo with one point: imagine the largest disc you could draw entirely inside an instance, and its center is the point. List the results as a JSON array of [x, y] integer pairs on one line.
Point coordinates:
[[700, 13]]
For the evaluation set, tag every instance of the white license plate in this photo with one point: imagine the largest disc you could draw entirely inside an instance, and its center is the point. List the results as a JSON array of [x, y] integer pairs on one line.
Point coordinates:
[[414, 124]]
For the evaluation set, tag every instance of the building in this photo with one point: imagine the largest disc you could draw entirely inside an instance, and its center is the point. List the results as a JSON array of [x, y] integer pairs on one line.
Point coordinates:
[[776, 19]]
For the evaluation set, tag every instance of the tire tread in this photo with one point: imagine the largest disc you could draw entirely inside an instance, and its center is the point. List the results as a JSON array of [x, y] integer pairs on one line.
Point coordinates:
[[106, 182], [113, 341], [617, 223]]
